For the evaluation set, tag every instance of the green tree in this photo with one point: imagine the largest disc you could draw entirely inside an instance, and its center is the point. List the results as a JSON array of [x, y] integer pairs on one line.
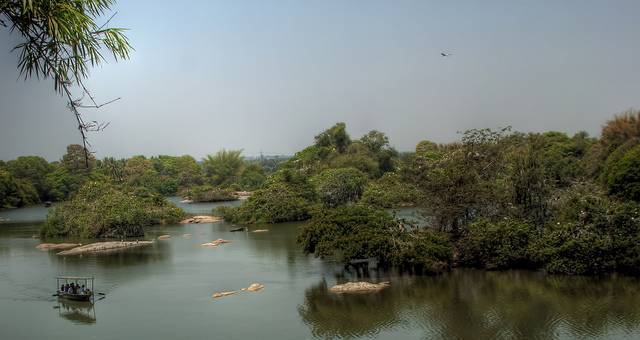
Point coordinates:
[[224, 168], [32, 169], [339, 186], [622, 174], [335, 137], [75, 159]]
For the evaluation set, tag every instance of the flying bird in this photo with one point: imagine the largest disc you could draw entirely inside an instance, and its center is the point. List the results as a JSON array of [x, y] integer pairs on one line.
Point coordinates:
[[446, 54]]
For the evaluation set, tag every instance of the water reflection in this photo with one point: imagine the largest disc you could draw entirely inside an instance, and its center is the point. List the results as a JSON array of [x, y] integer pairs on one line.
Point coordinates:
[[78, 312], [474, 304]]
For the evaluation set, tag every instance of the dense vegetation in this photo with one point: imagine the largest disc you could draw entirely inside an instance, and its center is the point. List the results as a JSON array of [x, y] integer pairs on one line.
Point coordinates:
[[101, 209], [495, 199], [31, 179]]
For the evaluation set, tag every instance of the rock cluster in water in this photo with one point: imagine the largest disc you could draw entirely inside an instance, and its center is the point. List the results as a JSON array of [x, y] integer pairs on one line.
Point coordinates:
[[201, 219], [254, 287], [215, 243], [104, 246], [359, 287], [57, 246]]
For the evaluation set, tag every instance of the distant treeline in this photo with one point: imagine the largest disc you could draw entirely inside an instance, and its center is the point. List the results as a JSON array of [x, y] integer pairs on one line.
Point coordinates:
[[31, 179]]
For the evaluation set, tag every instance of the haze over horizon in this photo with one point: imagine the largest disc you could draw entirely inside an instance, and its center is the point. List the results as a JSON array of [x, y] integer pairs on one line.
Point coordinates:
[[268, 76]]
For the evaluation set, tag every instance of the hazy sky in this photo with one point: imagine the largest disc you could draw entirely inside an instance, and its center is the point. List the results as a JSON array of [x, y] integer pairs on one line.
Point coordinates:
[[269, 75]]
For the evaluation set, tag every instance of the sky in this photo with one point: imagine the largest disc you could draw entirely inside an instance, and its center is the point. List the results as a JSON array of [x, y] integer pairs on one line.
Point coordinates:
[[266, 76]]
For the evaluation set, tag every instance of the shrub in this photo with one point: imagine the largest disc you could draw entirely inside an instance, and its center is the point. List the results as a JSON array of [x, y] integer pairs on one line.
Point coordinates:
[[496, 245], [274, 204], [101, 210], [590, 234], [390, 192], [355, 232], [339, 186]]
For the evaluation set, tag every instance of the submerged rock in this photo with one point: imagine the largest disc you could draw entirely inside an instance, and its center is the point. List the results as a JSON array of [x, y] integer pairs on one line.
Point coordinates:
[[260, 231], [359, 287], [105, 247], [186, 235], [57, 246], [255, 287], [201, 219], [221, 294], [215, 243], [237, 229], [164, 237]]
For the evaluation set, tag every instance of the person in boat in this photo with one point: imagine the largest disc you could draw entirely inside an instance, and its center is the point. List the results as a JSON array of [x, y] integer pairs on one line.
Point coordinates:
[[62, 288], [82, 290], [66, 288]]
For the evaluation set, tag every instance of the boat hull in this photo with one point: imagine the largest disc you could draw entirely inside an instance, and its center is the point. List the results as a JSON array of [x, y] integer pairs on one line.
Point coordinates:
[[75, 297]]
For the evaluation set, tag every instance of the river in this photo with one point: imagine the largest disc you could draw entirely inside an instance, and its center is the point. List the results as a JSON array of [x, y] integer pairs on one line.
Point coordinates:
[[164, 292]]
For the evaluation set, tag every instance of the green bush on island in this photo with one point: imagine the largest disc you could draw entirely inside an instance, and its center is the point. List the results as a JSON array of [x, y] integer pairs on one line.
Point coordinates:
[[339, 186], [591, 234], [355, 232], [273, 204], [103, 210], [208, 193], [622, 172], [390, 191], [497, 245]]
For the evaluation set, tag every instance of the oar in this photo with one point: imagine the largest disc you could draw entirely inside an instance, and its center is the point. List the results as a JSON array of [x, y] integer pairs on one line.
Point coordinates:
[[102, 294], [56, 294]]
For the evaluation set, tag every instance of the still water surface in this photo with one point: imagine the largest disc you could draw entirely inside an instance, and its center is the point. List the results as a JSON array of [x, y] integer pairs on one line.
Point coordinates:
[[164, 292]]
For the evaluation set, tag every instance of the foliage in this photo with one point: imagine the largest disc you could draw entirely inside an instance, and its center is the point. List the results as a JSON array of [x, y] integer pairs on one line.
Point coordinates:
[[103, 210], [15, 192], [390, 191], [497, 245], [622, 173], [272, 204], [591, 234], [74, 160], [224, 167], [335, 137], [32, 169], [208, 193], [339, 186], [356, 232]]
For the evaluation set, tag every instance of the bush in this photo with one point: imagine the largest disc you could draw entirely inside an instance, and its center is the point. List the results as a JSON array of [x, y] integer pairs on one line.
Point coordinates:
[[497, 245], [339, 186], [390, 192], [102, 210], [622, 173], [274, 204], [358, 232], [591, 234]]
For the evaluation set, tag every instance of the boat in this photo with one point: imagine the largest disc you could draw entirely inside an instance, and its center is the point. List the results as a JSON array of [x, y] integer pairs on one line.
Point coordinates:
[[78, 281], [47, 204]]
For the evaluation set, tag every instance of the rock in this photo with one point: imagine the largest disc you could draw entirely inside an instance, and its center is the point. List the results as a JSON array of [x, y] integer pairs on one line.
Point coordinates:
[[186, 235], [221, 294], [215, 243], [57, 246], [237, 229], [186, 201], [201, 219], [164, 237], [359, 287], [242, 195], [105, 247], [255, 287], [260, 230]]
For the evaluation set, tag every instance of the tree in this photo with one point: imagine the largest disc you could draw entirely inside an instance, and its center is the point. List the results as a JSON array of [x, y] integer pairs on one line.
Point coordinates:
[[622, 174], [334, 137], [225, 167], [33, 169], [76, 160], [339, 186], [61, 40]]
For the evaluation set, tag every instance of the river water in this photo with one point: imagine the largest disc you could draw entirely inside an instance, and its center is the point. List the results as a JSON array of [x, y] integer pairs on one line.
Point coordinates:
[[164, 292]]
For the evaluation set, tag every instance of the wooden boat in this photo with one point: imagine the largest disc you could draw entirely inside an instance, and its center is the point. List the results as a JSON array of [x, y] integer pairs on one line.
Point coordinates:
[[77, 281], [75, 297]]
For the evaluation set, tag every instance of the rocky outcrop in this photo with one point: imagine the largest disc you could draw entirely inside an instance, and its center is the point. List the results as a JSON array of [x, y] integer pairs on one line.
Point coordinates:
[[359, 287], [254, 287], [99, 247], [201, 219], [57, 246], [215, 243]]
